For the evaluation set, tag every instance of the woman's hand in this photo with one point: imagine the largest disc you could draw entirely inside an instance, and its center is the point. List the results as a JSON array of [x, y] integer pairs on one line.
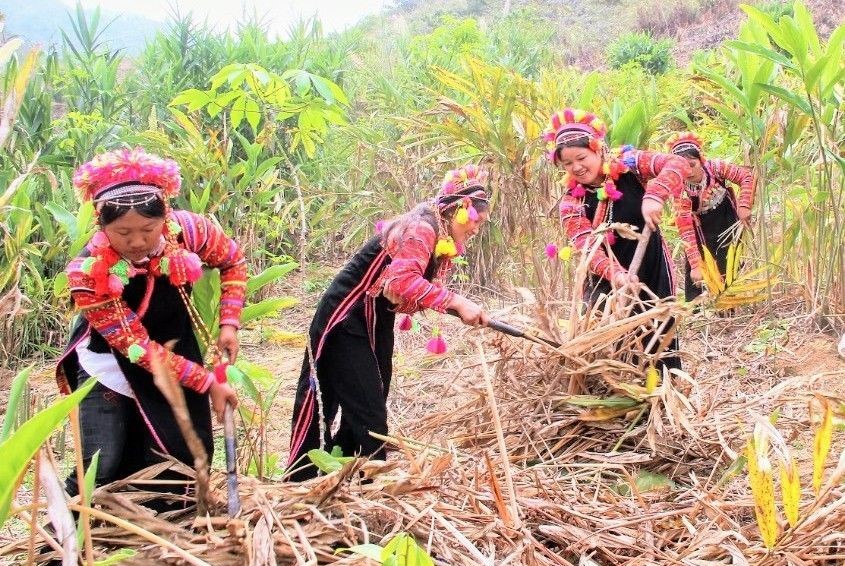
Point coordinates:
[[227, 342], [470, 312], [652, 212], [624, 278], [394, 298], [744, 215], [697, 276], [222, 393]]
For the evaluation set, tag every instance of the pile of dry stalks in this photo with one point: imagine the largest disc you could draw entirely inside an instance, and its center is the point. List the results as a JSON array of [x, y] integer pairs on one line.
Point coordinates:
[[531, 455]]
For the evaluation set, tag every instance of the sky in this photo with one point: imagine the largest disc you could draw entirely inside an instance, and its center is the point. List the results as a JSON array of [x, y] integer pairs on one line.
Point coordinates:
[[335, 14]]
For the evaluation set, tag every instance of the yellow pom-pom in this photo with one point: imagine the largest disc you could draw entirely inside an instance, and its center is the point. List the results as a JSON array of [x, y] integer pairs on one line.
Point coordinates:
[[445, 248], [462, 216], [565, 253], [597, 124], [606, 168], [578, 115], [652, 379]]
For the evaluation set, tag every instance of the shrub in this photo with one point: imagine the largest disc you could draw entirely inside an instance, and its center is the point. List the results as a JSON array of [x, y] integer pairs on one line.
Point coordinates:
[[641, 48]]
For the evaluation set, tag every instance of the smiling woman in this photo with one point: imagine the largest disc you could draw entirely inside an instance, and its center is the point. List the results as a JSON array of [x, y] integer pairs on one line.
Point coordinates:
[[602, 189]]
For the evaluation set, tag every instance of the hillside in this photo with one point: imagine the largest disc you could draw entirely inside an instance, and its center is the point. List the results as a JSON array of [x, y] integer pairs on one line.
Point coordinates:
[[41, 22], [582, 28]]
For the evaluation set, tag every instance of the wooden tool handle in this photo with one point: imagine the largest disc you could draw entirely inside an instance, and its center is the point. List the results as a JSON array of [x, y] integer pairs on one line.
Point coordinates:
[[639, 253]]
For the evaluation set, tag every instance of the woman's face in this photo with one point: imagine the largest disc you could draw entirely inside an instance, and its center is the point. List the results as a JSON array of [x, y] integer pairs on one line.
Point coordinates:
[[582, 164], [696, 171], [461, 233], [134, 236]]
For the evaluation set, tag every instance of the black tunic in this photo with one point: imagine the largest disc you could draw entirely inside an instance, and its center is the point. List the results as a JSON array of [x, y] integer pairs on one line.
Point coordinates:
[[656, 268], [166, 319], [351, 336]]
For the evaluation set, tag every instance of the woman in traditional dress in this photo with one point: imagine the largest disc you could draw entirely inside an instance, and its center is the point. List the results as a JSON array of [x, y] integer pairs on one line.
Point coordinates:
[[132, 286], [348, 364], [716, 206], [629, 188]]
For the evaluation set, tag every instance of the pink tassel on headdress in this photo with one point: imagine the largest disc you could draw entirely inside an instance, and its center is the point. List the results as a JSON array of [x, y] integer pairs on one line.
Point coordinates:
[[437, 345], [473, 214], [578, 191], [551, 251], [380, 226], [405, 323]]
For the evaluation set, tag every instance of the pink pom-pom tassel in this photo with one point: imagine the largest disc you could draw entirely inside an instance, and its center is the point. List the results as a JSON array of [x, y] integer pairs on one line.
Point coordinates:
[[115, 286], [193, 267], [405, 323], [436, 345], [473, 214], [100, 240], [551, 251]]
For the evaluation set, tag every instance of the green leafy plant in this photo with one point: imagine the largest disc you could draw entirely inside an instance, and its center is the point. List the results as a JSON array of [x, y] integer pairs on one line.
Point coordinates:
[[642, 49], [401, 550], [21, 446]]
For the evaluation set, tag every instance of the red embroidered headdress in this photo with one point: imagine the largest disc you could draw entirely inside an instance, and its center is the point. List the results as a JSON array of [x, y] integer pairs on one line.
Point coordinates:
[[684, 141], [570, 125]]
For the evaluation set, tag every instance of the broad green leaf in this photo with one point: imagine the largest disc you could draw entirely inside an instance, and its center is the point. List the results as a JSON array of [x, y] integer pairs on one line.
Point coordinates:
[[21, 446], [60, 284], [764, 20], [269, 275], [815, 72], [325, 462], [371, 551], [266, 307], [66, 219], [253, 113], [789, 97], [205, 295], [240, 377], [236, 115], [762, 51]]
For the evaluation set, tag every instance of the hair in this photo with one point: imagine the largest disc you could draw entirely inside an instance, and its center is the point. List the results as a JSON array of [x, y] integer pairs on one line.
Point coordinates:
[[689, 152], [424, 212], [580, 141], [114, 209]]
